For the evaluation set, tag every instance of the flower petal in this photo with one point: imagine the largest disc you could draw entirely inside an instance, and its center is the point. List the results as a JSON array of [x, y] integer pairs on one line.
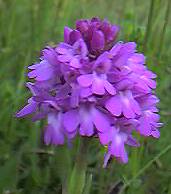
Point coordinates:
[[98, 86], [75, 63], [100, 120], [85, 80], [155, 133], [108, 86], [86, 127], [98, 40], [114, 106], [28, 109], [67, 32], [53, 136], [104, 138], [71, 120], [42, 72]]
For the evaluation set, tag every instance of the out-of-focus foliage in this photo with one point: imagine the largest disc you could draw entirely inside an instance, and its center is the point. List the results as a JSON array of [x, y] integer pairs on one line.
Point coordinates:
[[29, 167]]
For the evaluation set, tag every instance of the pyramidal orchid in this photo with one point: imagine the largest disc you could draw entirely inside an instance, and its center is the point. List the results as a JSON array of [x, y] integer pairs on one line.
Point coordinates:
[[92, 85]]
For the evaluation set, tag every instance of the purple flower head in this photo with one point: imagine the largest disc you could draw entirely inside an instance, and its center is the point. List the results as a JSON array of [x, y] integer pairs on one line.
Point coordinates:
[[91, 85]]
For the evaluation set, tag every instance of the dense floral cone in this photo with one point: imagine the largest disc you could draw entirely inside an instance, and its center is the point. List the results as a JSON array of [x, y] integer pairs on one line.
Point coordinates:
[[91, 85]]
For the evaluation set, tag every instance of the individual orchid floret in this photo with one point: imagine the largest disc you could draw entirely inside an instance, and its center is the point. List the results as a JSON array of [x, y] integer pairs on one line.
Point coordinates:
[[117, 137], [72, 55], [98, 83], [54, 130], [97, 80], [47, 68], [123, 103]]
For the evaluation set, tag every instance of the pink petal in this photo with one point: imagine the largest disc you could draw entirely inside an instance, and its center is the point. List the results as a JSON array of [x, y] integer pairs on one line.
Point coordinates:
[[127, 111], [67, 32], [74, 36], [150, 74], [100, 120], [53, 136], [124, 156], [63, 48], [117, 145], [98, 86], [98, 40], [65, 58], [113, 105], [86, 127], [53, 133], [155, 133], [85, 92], [104, 138], [28, 109], [151, 83], [85, 80], [108, 86], [43, 72], [127, 99], [37, 65], [115, 49], [135, 107], [137, 58], [75, 97], [75, 63], [144, 128], [71, 120], [118, 149]]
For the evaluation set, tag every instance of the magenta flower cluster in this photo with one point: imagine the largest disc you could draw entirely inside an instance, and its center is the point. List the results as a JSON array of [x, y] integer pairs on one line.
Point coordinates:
[[91, 85]]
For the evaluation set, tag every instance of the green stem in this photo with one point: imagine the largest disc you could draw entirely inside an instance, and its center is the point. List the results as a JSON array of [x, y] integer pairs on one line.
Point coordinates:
[[166, 20], [149, 25], [78, 176]]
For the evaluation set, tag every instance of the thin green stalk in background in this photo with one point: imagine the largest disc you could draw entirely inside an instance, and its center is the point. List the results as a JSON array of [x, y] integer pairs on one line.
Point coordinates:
[[149, 25], [140, 172], [163, 33], [88, 184]]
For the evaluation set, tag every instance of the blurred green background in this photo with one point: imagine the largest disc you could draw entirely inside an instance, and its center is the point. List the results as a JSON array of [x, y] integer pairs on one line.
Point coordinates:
[[27, 166]]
